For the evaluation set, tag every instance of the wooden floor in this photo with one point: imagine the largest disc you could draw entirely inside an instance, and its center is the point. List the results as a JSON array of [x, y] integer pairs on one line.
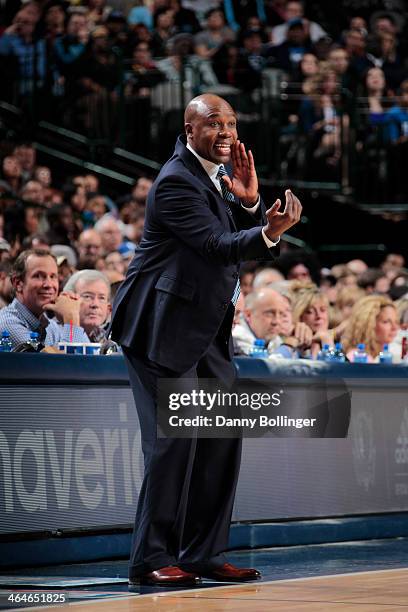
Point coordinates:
[[376, 591]]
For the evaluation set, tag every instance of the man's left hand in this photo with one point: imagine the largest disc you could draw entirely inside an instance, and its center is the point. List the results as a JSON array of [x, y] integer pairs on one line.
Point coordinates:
[[244, 183]]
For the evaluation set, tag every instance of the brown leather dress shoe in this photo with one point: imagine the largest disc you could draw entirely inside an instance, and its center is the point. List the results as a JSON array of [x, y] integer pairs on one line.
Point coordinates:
[[229, 572], [166, 576]]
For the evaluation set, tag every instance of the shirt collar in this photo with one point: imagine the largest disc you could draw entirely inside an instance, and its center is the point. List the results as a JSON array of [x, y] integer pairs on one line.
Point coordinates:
[[209, 166]]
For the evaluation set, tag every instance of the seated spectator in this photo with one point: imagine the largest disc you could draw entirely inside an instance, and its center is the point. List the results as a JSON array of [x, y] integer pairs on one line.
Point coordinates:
[[89, 248], [141, 190], [299, 265], [93, 289], [345, 300], [214, 35], [98, 11], [373, 322], [308, 67], [143, 73], [376, 94], [11, 179], [393, 264], [27, 157], [110, 232], [294, 10], [185, 20], [355, 44], [288, 54], [239, 310], [6, 288], [339, 61], [252, 58], [397, 118], [70, 48], [33, 191], [23, 58], [266, 276], [321, 123], [373, 281], [183, 63], [52, 23], [114, 261], [42, 175], [402, 314], [163, 30], [264, 312], [35, 282], [91, 183], [311, 306], [357, 266], [388, 59], [63, 229], [134, 229], [231, 67], [96, 207], [246, 277]]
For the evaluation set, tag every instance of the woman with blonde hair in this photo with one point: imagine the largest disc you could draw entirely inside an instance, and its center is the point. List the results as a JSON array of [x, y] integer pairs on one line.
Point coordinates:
[[345, 300], [373, 322], [311, 306]]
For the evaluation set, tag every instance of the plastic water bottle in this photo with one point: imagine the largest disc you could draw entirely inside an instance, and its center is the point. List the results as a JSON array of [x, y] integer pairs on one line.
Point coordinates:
[[323, 354], [360, 355], [34, 341], [385, 356], [5, 342], [259, 350], [336, 355]]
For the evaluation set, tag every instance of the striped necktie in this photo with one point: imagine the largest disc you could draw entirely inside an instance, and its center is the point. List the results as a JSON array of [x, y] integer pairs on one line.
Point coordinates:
[[228, 197], [226, 194]]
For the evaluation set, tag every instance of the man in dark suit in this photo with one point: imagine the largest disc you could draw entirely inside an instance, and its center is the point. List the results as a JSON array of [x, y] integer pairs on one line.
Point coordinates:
[[173, 316]]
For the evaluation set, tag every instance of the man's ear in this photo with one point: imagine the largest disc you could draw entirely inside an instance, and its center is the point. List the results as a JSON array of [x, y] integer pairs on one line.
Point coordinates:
[[247, 314], [17, 284], [188, 128]]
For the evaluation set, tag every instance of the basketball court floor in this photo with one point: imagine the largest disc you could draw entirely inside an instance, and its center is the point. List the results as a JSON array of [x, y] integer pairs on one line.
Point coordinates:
[[363, 576]]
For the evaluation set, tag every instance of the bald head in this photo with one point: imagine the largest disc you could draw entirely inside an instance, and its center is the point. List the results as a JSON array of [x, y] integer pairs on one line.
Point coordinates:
[[211, 127], [200, 105], [265, 310]]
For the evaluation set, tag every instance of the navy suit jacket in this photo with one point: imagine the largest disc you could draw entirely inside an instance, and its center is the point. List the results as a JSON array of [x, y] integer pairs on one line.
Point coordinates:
[[179, 285]]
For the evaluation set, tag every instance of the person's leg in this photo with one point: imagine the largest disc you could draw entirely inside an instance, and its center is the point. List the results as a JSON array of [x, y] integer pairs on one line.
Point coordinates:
[[204, 536], [168, 464]]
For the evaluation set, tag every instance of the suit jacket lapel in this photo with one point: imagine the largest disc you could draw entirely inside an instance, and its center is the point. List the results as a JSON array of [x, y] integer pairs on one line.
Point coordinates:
[[196, 168]]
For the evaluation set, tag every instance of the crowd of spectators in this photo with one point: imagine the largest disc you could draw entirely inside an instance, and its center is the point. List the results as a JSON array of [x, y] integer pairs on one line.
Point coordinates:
[[67, 246], [64, 249], [297, 307], [80, 239], [86, 58]]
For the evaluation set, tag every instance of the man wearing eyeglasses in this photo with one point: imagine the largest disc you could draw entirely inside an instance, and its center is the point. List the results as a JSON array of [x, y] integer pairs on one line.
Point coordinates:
[[93, 289]]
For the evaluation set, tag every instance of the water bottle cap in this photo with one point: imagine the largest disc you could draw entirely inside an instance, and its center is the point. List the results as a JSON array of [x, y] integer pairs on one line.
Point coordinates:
[[34, 335], [5, 333], [338, 345], [385, 347], [326, 347], [361, 346], [259, 342]]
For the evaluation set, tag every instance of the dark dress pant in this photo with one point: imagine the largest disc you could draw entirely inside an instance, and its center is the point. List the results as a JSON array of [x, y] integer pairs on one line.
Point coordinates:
[[187, 495]]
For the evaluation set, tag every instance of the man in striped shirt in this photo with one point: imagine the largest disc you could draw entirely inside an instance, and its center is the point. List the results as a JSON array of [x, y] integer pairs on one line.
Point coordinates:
[[37, 305]]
